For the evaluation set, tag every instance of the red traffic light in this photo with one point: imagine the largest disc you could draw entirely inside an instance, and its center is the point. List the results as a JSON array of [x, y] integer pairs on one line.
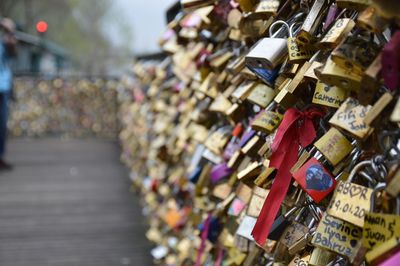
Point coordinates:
[[41, 26]]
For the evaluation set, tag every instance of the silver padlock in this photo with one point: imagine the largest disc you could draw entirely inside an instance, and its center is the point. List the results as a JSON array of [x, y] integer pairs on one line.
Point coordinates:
[[269, 52]]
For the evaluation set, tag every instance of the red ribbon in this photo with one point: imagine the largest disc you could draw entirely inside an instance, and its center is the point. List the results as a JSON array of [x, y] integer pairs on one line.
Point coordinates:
[[296, 129]]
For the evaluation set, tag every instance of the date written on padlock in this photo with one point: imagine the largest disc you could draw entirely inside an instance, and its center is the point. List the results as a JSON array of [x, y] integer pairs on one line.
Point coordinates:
[[315, 180], [379, 228], [350, 202], [337, 236]]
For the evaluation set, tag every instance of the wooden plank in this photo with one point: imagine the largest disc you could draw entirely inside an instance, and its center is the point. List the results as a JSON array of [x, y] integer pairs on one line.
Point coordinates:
[[67, 202]]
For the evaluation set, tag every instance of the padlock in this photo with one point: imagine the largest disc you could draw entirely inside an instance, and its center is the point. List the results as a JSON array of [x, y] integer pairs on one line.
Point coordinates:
[[313, 20], [291, 234], [370, 20], [355, 54], [335, 75], [350, 117], [351, 201], [281, 223], [254, 28], [336, 33], [268, 52], [262, 95], [320, 257], [257, 200], [337, 236], [383, 251], [334, 146], [327, 95], [370, 82], [315, 179], [265, 9], [390, 62], [297, 51], [380, 227], [302, 242], [296, 230], [267, 121]]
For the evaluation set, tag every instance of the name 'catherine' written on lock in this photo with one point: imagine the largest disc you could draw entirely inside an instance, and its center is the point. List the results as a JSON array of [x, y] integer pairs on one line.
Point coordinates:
[[326, 98], [336, 235]]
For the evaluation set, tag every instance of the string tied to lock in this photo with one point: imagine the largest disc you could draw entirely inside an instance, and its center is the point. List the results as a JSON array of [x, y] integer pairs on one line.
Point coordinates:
[[296, 129]]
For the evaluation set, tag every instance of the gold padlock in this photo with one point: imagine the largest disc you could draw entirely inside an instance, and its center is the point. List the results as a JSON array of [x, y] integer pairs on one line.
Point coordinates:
[[337, 236], [348, 205], [355, 54], [350, 117], [336, 33], [335, 75], [262, 95], [327, 95], [370, 20], [265, 9], [334, 146], [297, 51]]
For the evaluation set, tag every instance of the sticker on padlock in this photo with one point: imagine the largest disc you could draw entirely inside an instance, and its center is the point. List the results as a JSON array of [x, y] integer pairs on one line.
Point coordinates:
[[380, 227], [315, 180], [328, 95], [351, 201], [337, 236], [350, 117], [334, 146]]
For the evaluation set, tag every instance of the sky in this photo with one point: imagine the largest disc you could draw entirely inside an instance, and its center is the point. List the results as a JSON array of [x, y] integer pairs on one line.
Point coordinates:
[[147, 20]]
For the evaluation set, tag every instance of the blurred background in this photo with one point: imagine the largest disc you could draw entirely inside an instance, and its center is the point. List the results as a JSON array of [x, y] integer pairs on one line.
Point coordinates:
[[86, 37]]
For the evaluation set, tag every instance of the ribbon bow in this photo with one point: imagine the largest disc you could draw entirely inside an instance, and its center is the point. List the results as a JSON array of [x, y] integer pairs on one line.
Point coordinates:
[[297, 128]]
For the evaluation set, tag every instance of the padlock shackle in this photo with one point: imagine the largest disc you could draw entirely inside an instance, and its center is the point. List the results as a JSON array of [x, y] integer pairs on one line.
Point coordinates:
[[273, 25], [378, 188], [356, 168]]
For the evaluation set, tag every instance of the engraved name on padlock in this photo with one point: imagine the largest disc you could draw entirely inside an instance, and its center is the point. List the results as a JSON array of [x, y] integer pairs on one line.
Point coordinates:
[[337, 235], [350, 117], [327, 95]]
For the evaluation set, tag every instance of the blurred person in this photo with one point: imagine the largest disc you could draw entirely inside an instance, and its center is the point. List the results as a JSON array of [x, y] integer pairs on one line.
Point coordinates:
[[7, 51]]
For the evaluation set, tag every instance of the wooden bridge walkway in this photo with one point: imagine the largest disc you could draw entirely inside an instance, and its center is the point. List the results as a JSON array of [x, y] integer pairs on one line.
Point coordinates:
[[67, 203]]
